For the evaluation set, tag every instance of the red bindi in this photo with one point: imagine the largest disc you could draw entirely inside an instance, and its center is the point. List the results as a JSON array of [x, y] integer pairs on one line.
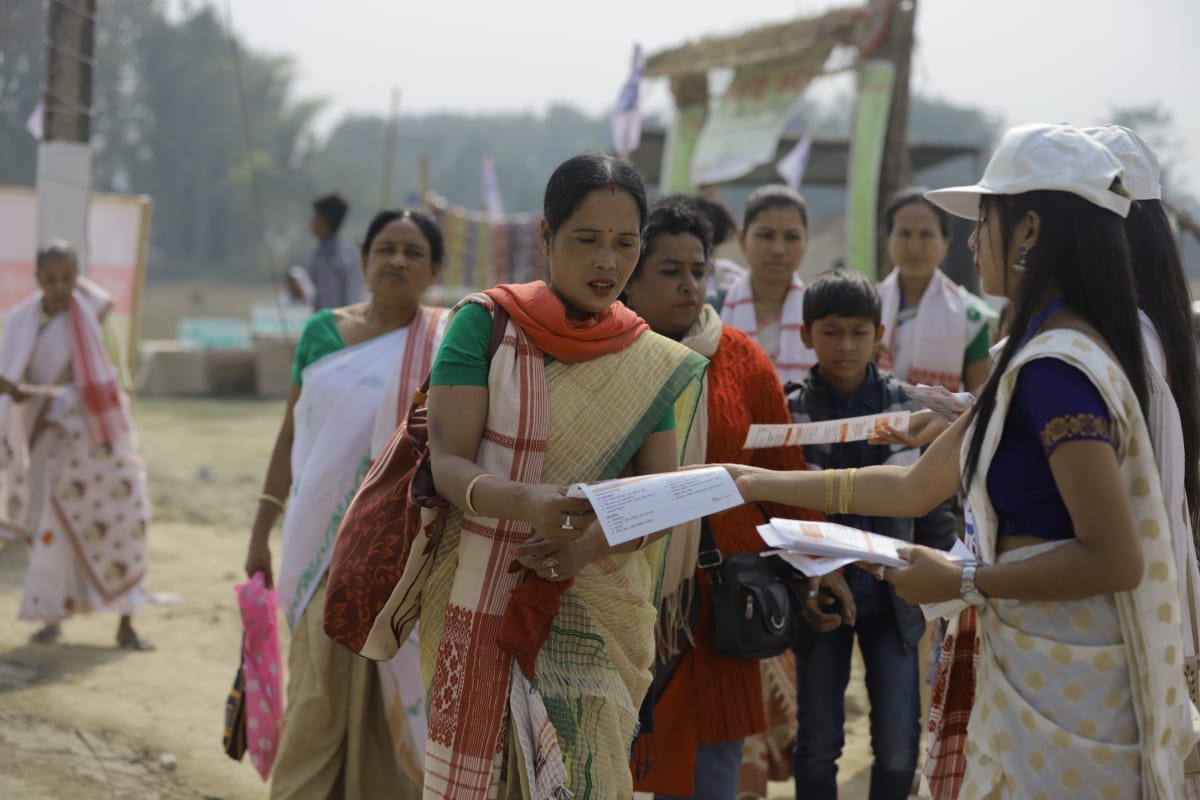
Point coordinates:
[[610, 230], [612, 187]]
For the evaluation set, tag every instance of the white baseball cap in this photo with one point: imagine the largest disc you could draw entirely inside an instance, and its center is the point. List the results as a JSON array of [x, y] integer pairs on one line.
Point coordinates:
[[1142, 172], [1042, 157]]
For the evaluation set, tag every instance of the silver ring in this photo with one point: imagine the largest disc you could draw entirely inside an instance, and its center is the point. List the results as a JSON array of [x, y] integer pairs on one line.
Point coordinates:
[[553, 573], [567, 526]]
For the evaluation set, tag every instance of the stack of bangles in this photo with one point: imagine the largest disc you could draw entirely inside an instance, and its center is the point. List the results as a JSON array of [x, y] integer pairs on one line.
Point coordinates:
[[839, 490], [273, 500]]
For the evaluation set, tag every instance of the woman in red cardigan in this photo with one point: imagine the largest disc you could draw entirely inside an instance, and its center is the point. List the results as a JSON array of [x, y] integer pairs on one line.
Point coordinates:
[[707, 704]]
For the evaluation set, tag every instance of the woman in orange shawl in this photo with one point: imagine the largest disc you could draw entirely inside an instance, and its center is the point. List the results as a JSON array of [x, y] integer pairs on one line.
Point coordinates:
[[537, 638]]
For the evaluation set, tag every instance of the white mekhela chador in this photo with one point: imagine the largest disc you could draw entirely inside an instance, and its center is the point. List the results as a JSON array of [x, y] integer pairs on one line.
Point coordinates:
[[73, 483]]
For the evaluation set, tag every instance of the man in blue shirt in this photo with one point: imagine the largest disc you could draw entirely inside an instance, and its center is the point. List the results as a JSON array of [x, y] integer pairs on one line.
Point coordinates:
[[335, 269]]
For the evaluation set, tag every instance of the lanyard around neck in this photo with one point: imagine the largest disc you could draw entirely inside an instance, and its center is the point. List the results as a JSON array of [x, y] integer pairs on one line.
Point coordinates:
[[1039, 320]]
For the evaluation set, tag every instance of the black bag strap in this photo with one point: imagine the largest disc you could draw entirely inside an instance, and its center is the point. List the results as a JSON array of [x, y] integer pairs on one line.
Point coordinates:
[[710, 556]]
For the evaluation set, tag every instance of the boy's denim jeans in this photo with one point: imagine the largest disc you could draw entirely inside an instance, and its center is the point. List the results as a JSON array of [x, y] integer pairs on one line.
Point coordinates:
[[891, 676], [717, 768]]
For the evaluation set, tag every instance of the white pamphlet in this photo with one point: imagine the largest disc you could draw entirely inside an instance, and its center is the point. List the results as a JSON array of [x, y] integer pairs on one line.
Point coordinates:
[[830, 540], [811, 566], [950, 405], [630, 508], [851, 429]]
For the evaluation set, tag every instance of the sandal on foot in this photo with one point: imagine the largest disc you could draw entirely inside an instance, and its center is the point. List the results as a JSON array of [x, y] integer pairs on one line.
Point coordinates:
[[48, 634]]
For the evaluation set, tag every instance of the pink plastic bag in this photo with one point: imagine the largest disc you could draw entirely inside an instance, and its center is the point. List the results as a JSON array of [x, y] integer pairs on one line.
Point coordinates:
[[264, 674]]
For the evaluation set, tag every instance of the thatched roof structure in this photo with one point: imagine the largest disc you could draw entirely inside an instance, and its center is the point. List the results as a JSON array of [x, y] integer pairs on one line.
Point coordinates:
[[781, 41]]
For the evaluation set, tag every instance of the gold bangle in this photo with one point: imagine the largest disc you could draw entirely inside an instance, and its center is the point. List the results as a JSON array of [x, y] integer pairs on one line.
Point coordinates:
[[471, 489], [847, 498], [843, 482], [273, 500], [830, 478]]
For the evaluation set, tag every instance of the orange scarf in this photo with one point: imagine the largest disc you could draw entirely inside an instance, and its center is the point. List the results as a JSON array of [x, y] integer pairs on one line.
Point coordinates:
[[541, 314], [538, 311]]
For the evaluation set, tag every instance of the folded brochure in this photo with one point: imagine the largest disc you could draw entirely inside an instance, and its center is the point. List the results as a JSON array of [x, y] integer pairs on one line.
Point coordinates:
[[851, 429], [630, 508]]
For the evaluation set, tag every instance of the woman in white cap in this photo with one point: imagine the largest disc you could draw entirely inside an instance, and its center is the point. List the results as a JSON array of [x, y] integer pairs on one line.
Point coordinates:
[[1071, 676], [1173, 381]]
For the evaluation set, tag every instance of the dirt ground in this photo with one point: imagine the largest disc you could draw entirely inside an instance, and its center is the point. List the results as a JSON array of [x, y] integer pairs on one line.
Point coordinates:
[[81, 719]]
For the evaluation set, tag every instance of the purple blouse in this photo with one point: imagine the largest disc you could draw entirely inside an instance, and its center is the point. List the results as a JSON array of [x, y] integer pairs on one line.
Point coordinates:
[[1053, 403]]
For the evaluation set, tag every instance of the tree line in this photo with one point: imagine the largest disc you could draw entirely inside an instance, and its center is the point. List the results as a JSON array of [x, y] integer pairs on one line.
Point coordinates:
[[230, 196]]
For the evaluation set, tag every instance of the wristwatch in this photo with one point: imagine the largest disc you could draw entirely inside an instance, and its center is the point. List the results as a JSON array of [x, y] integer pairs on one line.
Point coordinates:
[[968, 591]]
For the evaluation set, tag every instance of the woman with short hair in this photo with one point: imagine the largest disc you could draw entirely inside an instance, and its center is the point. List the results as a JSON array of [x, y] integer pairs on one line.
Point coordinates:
[[709, 703]]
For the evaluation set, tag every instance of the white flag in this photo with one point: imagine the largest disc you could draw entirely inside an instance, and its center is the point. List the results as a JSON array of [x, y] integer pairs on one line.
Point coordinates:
[[791, 167], [492, 204], [626, 118], [34, 123]]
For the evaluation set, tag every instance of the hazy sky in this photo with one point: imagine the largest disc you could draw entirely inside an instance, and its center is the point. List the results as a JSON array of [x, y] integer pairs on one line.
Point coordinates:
[[1027, 60]]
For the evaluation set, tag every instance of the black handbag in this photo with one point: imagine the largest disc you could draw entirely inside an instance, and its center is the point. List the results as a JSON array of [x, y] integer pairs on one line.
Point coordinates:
[[757, 603]]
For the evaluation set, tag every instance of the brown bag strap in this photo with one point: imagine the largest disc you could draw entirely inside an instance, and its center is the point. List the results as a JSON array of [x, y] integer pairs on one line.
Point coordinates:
[[499, 324]]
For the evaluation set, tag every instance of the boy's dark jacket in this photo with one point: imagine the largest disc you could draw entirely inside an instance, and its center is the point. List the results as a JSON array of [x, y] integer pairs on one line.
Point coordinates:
[[814, 400]]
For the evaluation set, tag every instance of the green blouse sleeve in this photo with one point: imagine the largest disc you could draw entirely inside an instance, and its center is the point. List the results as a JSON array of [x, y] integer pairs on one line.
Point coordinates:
[[319, 338], [462, 359], [980, 319]]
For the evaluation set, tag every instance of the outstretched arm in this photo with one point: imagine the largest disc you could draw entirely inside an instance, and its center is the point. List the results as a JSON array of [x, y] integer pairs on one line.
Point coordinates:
[[882, 491]]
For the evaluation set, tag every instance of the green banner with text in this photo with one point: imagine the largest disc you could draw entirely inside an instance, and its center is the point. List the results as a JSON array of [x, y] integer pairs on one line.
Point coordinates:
[[873, 106]]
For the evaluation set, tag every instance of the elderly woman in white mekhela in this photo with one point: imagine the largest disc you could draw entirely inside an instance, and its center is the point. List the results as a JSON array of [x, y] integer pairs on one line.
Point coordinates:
[[1078, 685]]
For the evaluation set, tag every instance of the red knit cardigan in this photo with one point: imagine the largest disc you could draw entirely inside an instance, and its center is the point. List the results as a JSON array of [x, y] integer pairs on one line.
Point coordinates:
[[710, 698]]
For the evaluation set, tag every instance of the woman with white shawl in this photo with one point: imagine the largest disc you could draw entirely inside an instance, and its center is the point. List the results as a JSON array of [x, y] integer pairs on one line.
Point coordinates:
[[1064, 669], [73, 483], [768, 302], [353, 727], [936, 332]]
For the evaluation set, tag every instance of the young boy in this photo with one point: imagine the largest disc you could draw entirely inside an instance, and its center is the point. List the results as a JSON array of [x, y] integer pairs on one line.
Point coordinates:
[[842, 325]]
